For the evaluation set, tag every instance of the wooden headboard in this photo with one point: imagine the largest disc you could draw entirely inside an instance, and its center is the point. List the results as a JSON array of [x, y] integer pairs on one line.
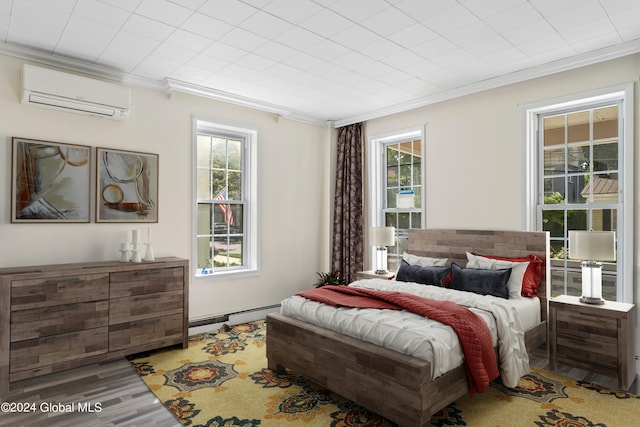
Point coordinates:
[[454, 245]]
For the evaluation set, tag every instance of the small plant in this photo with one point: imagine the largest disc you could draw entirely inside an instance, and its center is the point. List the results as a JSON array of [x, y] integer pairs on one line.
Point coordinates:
[[331, 278]]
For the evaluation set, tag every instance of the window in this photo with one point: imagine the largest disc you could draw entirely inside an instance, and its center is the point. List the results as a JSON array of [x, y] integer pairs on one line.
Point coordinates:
[[582, 182], [397, 189], [225, 238]]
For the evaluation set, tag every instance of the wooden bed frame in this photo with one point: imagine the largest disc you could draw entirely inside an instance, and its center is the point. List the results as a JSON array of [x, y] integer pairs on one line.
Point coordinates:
[[389, 383]]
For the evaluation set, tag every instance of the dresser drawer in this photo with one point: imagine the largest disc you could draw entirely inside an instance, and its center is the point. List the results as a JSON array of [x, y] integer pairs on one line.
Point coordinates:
[[45, 321], [52, 291], [166, 329], [129, 309], [587, 328], [39, 352], [141, 282]]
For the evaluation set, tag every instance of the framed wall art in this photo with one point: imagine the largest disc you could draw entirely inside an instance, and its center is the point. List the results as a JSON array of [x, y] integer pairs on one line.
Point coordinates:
[[50, 181], [126, 186]]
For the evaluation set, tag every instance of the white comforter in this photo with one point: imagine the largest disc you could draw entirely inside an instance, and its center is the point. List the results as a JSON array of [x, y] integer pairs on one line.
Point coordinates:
[[417, 336]]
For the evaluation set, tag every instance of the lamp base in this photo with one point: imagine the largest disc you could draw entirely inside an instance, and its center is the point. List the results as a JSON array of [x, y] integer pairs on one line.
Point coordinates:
[[591, 300]]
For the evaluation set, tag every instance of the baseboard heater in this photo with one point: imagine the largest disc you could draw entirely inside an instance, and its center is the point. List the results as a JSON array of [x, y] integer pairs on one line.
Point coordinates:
[[225, 317]]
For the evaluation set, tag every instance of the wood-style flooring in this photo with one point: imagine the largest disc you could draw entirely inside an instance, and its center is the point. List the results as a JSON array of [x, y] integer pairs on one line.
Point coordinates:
[[126, 401]]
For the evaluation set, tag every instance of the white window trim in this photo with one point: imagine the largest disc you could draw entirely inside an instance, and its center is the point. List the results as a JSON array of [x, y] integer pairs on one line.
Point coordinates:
[[529, 113], [251, 187], [375, 160]]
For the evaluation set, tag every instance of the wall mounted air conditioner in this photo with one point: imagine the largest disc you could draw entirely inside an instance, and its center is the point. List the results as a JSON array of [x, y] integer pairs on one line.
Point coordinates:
[[63, 91]]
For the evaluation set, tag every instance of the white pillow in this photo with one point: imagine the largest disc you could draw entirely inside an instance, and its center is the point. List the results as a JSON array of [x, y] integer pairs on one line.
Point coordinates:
[[518, 269], [424, 261]]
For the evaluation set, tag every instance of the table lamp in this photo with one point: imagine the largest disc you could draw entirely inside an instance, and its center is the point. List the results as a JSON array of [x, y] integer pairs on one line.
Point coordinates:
[[591, 247], [381, 237]]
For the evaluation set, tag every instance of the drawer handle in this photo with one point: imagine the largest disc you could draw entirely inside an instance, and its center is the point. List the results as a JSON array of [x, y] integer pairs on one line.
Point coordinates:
[[587, 319], [60, 338], [149, 322], [144, 297], [60, 308], [147, 272], [63, 279]]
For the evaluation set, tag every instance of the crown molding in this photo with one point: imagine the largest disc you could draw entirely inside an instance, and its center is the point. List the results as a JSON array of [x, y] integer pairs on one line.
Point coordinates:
[[172, 85], [577, 61]]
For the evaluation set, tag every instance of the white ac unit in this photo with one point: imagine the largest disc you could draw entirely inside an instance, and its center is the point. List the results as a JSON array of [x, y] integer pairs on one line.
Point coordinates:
[[63, 91]]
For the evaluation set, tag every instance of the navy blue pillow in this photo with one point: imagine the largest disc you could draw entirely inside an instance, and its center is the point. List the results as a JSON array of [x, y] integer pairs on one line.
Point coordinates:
[[434, 275], [480, 281]]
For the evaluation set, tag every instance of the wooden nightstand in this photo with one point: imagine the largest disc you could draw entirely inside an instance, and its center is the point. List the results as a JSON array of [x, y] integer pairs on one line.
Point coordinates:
[[371, 274], [596, 338]]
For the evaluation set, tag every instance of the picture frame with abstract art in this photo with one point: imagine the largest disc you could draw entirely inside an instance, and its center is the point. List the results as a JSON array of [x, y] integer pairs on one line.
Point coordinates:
[[50, 182], [126, 186]]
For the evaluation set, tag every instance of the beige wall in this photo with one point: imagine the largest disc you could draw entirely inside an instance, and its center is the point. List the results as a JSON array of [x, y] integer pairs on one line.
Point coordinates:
[[293, 183], [475, 149]]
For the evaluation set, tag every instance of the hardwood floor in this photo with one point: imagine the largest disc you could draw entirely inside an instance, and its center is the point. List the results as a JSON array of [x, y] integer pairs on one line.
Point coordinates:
[[126, 401], [115, 386]]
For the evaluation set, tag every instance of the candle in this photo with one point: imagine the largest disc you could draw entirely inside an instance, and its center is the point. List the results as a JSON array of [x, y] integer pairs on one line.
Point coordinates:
[[134, 235], [124, 246], [149, 234]]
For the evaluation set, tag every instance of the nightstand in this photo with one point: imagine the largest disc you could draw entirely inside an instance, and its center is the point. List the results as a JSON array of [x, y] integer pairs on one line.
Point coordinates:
[[596, 338], [371, 274]]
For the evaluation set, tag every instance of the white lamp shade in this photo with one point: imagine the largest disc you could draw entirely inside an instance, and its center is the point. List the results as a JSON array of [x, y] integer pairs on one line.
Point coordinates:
[[592, 245], [383, 236]]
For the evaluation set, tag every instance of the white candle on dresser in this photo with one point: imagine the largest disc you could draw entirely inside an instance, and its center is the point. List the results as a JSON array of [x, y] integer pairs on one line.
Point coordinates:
[[134, 236]]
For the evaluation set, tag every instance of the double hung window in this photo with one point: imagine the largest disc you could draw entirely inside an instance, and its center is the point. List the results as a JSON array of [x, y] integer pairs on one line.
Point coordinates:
[[224, 199], [397, 169], [582, 183]]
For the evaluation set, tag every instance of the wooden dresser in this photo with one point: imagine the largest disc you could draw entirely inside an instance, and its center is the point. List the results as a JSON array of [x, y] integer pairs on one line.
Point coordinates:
[[57, 317], [596, 338]]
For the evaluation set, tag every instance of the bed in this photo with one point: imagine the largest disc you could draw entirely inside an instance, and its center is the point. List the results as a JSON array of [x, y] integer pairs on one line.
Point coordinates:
[[395, 385]]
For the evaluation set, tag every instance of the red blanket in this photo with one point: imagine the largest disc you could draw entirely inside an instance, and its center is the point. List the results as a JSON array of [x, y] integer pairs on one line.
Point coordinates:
[[473, 333]]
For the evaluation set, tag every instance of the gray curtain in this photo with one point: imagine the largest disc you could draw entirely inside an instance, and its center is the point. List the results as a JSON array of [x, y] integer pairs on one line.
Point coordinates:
[[347, 256]]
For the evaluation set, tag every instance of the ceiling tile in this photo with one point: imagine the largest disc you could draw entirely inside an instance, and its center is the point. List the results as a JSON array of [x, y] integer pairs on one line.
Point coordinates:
[[388, 21], [148, 28], [206, 26], [294, 12], [231, 12], [518, 16], [189, 73], [299, 38], [484, 9], [103, 13], [326, 23], [526, 33], [275, 51], [189, 4], [128, 5], [255, 62], [209, 63], [188, 41], [243, 39], [412, 35], [424, 9], [266, 25], [355, 37], [358, 10], [163, 11], [176, 53], [224, 51], [567, 19], [450, 20], [327, 50], [156, 68]]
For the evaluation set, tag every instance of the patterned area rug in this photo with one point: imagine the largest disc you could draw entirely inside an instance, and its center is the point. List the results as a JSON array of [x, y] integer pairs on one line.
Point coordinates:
[[222, 380]]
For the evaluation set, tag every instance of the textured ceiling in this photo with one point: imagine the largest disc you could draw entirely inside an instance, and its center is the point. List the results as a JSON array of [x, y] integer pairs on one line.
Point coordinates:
[[321, 60]]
